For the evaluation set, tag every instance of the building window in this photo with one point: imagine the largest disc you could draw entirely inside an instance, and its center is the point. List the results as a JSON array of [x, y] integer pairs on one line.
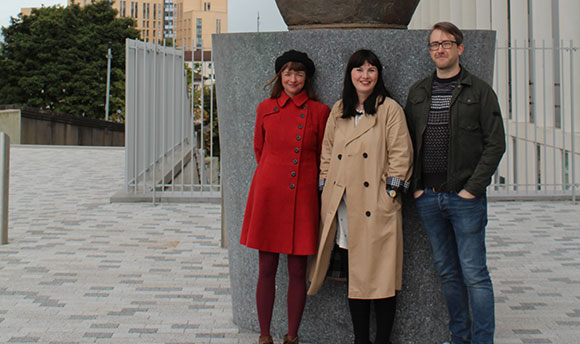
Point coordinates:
[[136, 10], [154, 11], [207, 6], [198, 44], [218, 26], [132, 9]]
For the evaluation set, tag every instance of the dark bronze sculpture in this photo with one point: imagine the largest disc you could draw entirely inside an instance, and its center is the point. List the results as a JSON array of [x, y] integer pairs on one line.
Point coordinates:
[[347, 14]]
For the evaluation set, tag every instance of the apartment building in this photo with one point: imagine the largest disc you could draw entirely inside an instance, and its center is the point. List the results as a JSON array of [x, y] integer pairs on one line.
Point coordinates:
[[197, 20], [186, 22], [26, 11]]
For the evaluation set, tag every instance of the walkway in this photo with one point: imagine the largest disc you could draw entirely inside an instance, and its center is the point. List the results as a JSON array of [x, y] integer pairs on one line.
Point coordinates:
[[79, 269]]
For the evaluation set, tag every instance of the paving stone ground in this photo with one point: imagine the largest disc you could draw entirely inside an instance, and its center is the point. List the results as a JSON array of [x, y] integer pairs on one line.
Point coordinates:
[[79, 269]]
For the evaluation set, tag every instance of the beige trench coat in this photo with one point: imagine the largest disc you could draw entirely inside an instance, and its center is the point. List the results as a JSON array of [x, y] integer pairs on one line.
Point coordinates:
[[357, 160]]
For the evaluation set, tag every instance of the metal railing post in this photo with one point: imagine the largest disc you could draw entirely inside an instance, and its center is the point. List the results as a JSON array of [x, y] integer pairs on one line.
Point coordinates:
[[572, 124], [4, 186]]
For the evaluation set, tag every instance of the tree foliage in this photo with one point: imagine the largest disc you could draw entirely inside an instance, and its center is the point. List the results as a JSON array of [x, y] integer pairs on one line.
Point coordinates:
[[55, 59]]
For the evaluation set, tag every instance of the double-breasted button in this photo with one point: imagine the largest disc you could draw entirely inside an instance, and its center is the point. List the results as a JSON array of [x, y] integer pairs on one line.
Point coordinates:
[[365, 155], [294, 161], [293, 173], [304, 106], [300, 126], [301, 115], [296, 150], [368, 214], [292, 186], [298, 138], [275, 109], [340, 157], [366, 184]]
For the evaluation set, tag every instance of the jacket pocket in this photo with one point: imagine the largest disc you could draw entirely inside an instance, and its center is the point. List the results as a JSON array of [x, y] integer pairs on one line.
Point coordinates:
[[469, 110], [417, 98]]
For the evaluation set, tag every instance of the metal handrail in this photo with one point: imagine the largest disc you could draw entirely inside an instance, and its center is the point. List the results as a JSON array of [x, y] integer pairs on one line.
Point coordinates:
[[4, 186]]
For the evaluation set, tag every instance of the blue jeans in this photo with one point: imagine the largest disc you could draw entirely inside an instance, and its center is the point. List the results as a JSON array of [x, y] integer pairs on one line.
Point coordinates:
[[456, 230]]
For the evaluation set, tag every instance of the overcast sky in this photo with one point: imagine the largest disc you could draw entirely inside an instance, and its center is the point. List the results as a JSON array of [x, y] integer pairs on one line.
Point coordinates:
[[242, 13]]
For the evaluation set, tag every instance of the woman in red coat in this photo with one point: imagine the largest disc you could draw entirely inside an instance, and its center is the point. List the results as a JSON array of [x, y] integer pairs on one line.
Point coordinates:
[[282, 213]]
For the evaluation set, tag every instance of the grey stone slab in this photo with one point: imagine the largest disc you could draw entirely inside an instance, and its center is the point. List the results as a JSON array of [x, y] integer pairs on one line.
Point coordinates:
[[99, 335], [24, 340]]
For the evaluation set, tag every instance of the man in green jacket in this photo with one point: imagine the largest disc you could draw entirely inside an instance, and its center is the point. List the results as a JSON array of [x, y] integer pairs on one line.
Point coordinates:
[[458, 136]]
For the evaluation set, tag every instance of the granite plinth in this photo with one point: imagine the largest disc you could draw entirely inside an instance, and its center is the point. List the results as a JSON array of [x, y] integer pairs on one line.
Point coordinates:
[[244, 63]]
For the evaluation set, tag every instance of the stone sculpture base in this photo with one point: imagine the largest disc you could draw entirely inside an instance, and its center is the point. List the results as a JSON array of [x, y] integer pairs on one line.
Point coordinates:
[[244, 63]]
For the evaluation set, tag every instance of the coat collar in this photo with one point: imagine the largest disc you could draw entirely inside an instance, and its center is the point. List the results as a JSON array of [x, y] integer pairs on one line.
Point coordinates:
[[365, 123], [464, 79], [298, 99]]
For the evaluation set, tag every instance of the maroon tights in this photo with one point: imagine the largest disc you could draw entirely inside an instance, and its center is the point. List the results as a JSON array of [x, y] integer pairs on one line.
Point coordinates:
[[266, 291]]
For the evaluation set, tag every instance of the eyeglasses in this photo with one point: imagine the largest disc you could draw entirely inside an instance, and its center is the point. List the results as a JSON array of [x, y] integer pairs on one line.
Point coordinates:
[[434, 46]]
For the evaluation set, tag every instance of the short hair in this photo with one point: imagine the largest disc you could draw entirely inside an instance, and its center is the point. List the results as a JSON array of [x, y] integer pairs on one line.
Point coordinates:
[[276, 82], [350, 97], [448, 27]]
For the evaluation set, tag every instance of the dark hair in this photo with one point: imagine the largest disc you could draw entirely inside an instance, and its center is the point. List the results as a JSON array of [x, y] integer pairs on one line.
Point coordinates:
[[350, 97], [276, 81], [448, 27]]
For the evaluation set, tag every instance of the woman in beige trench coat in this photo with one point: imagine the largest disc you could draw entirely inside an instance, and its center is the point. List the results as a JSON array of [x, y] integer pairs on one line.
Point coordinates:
[[365, 164]]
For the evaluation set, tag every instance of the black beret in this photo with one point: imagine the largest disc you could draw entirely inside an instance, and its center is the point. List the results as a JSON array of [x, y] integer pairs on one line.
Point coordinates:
[[295, 56]]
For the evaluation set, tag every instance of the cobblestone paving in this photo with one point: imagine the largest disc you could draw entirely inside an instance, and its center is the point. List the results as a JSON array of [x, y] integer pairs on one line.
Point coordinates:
[[79, 269]]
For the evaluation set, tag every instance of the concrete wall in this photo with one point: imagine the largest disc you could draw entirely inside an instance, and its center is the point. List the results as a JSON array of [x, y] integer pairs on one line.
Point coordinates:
[[31, 126], [10, 124]]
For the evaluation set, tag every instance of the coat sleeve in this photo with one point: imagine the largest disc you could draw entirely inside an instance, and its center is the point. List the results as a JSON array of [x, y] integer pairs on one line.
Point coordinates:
[[328, 140], [259, 133], [399, 149], [322, 119], [411, 129], [494, 146]]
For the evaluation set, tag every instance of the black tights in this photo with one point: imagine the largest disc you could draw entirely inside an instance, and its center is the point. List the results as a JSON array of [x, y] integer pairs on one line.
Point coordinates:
[[360, 311]]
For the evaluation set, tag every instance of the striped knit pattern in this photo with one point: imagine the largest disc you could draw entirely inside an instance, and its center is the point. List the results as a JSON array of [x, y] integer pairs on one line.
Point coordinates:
[[436, 135]]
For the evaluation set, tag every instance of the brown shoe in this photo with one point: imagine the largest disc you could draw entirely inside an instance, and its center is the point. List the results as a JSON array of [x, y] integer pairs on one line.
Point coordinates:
[[265, 340], [290, 340]]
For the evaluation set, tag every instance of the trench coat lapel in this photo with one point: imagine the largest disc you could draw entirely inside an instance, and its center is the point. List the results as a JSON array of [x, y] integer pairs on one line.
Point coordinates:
[[366, 122]]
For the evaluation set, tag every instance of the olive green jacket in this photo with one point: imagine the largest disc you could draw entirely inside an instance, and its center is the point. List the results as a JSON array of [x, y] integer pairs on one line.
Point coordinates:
[[477, 138]]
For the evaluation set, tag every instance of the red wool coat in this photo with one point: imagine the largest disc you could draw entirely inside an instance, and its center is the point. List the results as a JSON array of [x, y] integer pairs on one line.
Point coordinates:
[[283, 208]]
